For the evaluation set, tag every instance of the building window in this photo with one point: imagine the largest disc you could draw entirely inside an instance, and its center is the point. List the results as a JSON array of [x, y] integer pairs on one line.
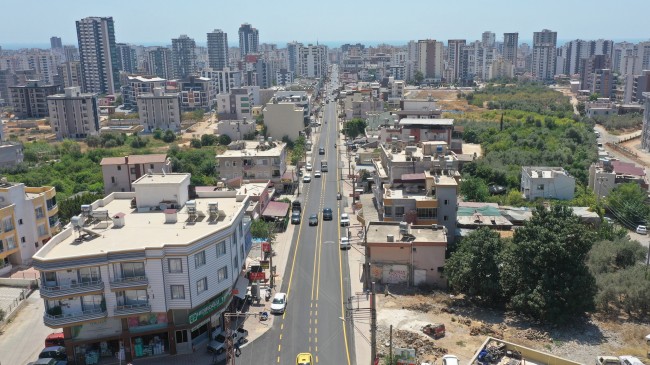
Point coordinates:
[[221, 248], [427, 213], [178, 291], [540, 187], [119, 168], [132, 170], [388, 210], [445, 218], [20, 222], [151, 166], [42, 230], [222, 274], [132, 270], [399, 211], [22, 239], [8, 224], [112, 179], [199, 259], [175, 265], [201, 285], [132, 297]]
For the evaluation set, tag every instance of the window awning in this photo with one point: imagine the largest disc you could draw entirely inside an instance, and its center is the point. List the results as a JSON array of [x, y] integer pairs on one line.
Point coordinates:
[[276, 209], [241, 287]]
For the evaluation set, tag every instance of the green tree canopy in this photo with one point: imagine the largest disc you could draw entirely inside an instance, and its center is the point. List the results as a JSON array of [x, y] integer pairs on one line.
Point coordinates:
[[474, 267], [544, 274], [627, 203], [474, 189], [355, 127]]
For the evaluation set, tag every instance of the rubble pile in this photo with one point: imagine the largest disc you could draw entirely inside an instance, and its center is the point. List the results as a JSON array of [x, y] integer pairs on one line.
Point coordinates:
[[462, 320], [423, 345], [535, 335], [486, 330], [419, 307]]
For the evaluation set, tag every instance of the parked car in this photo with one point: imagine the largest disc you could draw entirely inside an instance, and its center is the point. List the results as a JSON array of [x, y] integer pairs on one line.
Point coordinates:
[[317, 173], [313, 220], [642, 230], [279, 303], [339, 196], [54, 339], [630, 360], [345, 220], [308, 166], [306, 178], [48, 361], [608, 360], [218, 343], [321, 151], [295, 217], [53, 352], [345, 243], [450, 360]]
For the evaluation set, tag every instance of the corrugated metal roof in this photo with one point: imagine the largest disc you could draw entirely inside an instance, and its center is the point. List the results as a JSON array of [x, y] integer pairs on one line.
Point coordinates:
[[276, 209]]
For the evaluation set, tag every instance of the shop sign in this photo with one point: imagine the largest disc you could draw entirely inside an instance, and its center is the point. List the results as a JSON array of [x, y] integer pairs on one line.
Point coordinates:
[[266, 247], [265, 264], [209, 307], [255, 276]]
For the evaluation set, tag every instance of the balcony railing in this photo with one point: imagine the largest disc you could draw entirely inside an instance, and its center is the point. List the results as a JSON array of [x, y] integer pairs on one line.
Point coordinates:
[[129, 282], [71, 289], [122, 310], [72, 318]]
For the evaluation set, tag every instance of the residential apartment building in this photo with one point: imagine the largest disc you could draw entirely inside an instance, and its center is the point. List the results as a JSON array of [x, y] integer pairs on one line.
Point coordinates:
[[238, 104], [160, 110], [74, 114], [538, 182], [358, 104], [605, 175], [146, 273], [640, 85], [138, 85], [159, 62], [430, 59], [454, 47], [70, 75], [197, 93], [253, 160], [29, 218], [292, 56], [544, 54], [500, 68], [249, 39], [488, 39], [218, 50], [312, 61], [121, 172], [98, 55], [224, 80], [127, 60], [11, 154], [30, 100], [183, 57], [406, 254], [301, 98], [603, 83], [235, 129], [283, 118], [284, 77], [510, 47]]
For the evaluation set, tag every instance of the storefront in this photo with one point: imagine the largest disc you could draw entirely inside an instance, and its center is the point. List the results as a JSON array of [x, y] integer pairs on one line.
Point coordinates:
[[102, 352], [149, 335], [208, 317], [98, 342]]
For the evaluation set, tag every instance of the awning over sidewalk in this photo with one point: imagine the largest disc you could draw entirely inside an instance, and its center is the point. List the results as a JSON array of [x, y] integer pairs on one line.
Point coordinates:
[[276, 209], [241, 287]]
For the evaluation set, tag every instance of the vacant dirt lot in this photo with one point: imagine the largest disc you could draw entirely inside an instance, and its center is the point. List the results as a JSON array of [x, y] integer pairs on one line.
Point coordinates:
[[446, 99], [467, 326]]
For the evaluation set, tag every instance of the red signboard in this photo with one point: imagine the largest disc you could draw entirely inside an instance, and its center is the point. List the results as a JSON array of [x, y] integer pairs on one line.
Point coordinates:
[[255, 276], [266, 247]]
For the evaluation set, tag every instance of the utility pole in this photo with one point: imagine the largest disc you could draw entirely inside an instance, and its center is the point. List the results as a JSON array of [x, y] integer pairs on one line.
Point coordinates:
[[270, 258], [373, 325], [390, 345], [230, 348]]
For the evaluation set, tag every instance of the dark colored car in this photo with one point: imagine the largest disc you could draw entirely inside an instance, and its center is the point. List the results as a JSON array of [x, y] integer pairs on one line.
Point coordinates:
[[313, 220], [295, 217], [339, 196], [53, 352], [327, 214], [321, 151]]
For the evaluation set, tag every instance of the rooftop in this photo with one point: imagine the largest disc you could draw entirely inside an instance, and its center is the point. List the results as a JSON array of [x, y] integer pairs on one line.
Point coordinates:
[[134, 159], [255, 149], [379, 231], [427, 121], [544, 172], [141, 230], [146, 78]]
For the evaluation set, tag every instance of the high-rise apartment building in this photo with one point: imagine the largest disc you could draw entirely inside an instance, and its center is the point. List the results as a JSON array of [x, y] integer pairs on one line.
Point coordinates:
[[292, 56], [74, 114], [573, 53], [488, 39], [98, 55], [30, 100], [70, 53], [183, 56], [70, 74], [159, 62], [127, 58], [510, 45], [430, 59], [312, 61], [217, 50], [544, 53], [454, 47], [55, 43], [249, 39]]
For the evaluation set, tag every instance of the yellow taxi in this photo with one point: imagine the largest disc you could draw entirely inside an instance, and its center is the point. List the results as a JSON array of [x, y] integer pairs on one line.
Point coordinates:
[[304, 359]]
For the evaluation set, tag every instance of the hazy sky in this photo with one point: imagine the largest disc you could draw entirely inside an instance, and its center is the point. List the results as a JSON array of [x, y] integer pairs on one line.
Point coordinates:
[[156, 22]]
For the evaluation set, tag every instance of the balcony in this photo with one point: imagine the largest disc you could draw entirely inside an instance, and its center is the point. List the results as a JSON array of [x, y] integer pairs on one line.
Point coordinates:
[[50, 292], [129, 282], [68, 319], [131, 309]]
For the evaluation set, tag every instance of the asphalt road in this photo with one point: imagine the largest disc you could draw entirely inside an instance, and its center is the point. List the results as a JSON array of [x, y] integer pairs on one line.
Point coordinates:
[[317, 279]]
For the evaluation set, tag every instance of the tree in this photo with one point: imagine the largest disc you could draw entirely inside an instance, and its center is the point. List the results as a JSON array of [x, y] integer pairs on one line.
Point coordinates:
[[355, 127], [544, 274], [195, 143], [209, 140], [474, 268], [594, 97], [262, 229], [224, 140], [474, 189], [613, 255], [418, 77], [169, 136], [157, 133], [139, 142], [627, 202]]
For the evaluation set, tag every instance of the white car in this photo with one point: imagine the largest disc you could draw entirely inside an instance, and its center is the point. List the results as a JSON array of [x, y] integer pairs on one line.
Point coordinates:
[[306, 178], [345, 243], [317, 173], [642, 230], [345, 220], [279, 303], [308, 166], [449, 360]]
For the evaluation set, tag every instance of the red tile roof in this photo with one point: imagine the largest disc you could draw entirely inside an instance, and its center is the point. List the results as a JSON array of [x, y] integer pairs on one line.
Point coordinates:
[[276, 209], [627, 168]]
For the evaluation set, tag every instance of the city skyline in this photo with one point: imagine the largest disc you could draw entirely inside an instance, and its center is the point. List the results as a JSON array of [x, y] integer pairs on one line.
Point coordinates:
[[339, 22]]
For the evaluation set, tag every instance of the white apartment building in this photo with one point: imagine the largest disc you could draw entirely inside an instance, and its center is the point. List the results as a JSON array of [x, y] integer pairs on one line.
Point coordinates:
[[283, 119], [547, 183], [238, 104], [121, 172], [74, 114], [300, 98], [235, 129], [312, 61], [29, 217], [69, 74], [224, 80], [146, 273], [160, 110], [138, 85], [253, 160], [544, 55], [500, 68]]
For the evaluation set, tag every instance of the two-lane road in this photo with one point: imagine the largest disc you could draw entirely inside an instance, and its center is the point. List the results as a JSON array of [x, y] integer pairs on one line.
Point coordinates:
[[317, 274]]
